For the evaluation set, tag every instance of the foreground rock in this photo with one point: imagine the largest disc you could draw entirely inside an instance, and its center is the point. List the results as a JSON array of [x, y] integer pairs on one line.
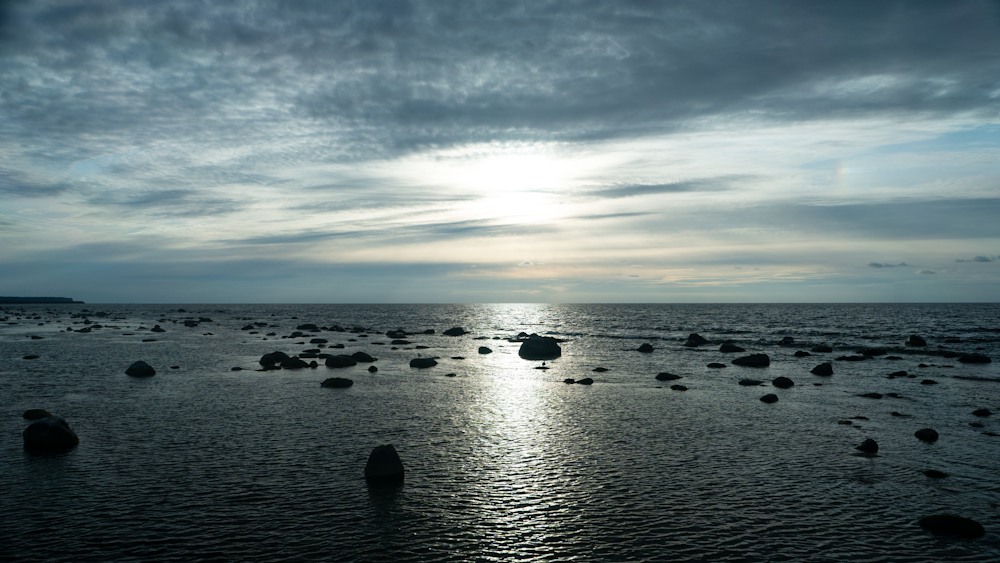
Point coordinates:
[[753, 360], [869, 446], [540, 348], [783, 383], [337, 383], [585, 381], [951, 525], [384, 466], [340, 361], [273, 358], [422, 363], [140, 369], [36, 414], [294, 363], [926, 434], [824, 370], [49, 433], [915, 340]]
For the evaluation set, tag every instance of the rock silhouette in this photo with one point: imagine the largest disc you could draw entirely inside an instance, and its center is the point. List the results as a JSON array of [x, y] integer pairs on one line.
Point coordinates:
[[646, 348], [49, 433], [384, 466], [753, 360], [485, 350], [825, 370], [36, 414], [337, 383], [664, 376], [926, 435], [422, 363], [540, 348], [769, 398], [869, 446], [340, 361], [730, 347], [783, 383], [695, 340], [915, 340], [455, 331], [951, 525], [974, 359], [140, 369]]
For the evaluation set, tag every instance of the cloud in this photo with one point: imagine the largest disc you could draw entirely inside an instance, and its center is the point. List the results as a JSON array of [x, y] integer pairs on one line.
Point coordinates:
[[886, 265], [720, 183], [526, 263], [977, 259], [926, 272]]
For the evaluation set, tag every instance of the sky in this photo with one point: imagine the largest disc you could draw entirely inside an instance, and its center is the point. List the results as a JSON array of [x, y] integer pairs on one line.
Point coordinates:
[[455, 152]]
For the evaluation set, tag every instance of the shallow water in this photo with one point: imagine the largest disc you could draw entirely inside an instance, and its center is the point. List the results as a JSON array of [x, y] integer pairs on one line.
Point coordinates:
[[503, 461]]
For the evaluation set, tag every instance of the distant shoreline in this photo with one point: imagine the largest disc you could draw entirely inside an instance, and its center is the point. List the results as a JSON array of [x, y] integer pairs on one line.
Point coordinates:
[[33, 300]]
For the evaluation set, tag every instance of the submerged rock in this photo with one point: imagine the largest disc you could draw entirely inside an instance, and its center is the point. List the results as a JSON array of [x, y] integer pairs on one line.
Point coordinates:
[[974, 359], [926, 434], [540, 348], [384, 466], [361, 357], [871, 395], [982, 412], [694, 340], [599, 370], [824, 370], [294, 363], [750, 382], [787, 341], [585, 381], [678, 388], [337, 383], [422, 363], [935, 474], [716, 365], [951, 525], [821, 349], [852, 358], [49, 433], [753, 360], [869, 446], [372, 369], [140, 369], [802, 354]]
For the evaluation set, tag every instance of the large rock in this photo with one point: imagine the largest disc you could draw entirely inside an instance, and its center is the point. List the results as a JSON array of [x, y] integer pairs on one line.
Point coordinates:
[[824, 370], [926, 434], [455, 331], [423, 363], [361, 357], [140, 369], [340, 361], [384, 466], [951, 525], [337, 383], [915, 340], [540, 348], [974, 359], [869, 446], [782, 383], [753, 360], [49, 433], [729, 347]]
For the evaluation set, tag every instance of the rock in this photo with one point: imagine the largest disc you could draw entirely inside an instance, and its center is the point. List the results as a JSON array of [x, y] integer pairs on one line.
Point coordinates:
[[248, 327], [974, 359], [540, 348], [664, 376], [372, 369], [156, 328], [337, 382], [750, 382], [384, 466], [869, 446], [893, 395], [871, 395], [926, 434], [716, 365], [600, 370], [400, 342], [361, 357], [694, 340], [318, 341], [428, 331], [769, 398], [753, 360], [821, 349], [646, 348], [485, 350], [976, 424], [928, 382], [451, 375], [897, 374], [729, 347], [585, 381], [852, 358], [802, 354], [982, 412], [455, 331], [678, 388], [340, 361], [36, 414], [872, 352], [786, 341], [140, 369], [190, 323], [915, 340], [458, 357], [569, 381], [951, 525], [31, 357], [423, 363], [237, 368], [783, 383], [844, 422], [307, 326], [294, 363], [49, 433], [935, 474], [894, 413]]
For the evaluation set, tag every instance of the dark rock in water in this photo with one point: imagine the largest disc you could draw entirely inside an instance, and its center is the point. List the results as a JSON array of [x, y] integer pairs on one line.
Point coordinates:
[[646, 348], [852, 358], [340, 361], [175, 367], [157, 328], [821, 349], [308, 355], [694, 340], [49, 433], [318, 341], [951, 525], [248, 327], [678, 388], [337, 382], [294, 363], [750, 382], [361, 357], [950, 354], [190, 323], [36, 414], [664, 376], [926, 434], [423, 363], [729, 347], [892, 358], [893, 395], [372, 369], [36, 337], [140, 369], [753, 360], [928, 382], [802, 354], [485, 350], [974, 359], [872, 352], [716, 365], [31, 357], [540, 348], [935, 474], [237, 368], [384, 466], [915, 340], [458, 357], [869, 446], [894, 413], [982, 412], [844, 422], [783, 383], [897, 374], [976, 424], [769, 398], [585, 381], [455, 331], [428, 331], [313, 364], [400, 342], [871, 395], [307, 326], [786, 341], [451, 375], [569, 381], [600, 370]]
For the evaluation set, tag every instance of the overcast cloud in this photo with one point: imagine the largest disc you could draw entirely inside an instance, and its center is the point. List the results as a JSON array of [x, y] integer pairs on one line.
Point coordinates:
[[840, 147]]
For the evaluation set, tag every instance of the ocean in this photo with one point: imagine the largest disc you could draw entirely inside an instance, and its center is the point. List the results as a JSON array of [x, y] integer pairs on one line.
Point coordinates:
[[503, 461]]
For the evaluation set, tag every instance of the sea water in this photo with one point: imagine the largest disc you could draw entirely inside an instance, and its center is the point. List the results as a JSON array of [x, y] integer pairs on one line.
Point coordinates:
[[503, 461]]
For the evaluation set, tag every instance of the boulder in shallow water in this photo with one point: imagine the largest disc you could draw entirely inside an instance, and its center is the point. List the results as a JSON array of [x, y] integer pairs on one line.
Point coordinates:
[[915, 340], [753, 360], [361, 357], [384, 466], [36, 414], [783, 383], [694, 340], [729, 347], [974, 359], [485, 350], [664, 376], [569, 381], [928, 382], [824, 370], [926, 434], [821, 349], [787, 341], [952, 525], [585, 381], [769, 398], [294, 363], [422, 363], [49, 433], [340, 361], [140, 369], [977, 412], [646, 348], [678, 388], [935, 474], [869, 446], [540, 348], [802, 354], [455, 331], [337, 383], [372, 369], [599, 370]]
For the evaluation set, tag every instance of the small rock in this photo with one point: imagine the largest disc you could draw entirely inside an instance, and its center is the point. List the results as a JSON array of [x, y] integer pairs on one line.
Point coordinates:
[[31, 357], [337, 382], [869, 446], [871, 395], [140, 369], [926, 434], [729, 347], [852, 358], [844, 422], [802, 354], [372, 369], [750, 382], [825, 370], [294, 363], [569, 381], [157, 328], [451, 375], [600, 370], [716, 365], [423, 363], [951, 525], [894, 413], [915, 340], [361, 357], [455, 331], [646, 348], [458, 357], [175, 367], [872, 352], [678, 388], [753, 360], [318, 341], [928, 382], [585, 381], [695, 340], [769, 398], [384, 466], [783, 383], [485, 350], [935, 474], [982, 412], [664, 376], [237, 368]]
